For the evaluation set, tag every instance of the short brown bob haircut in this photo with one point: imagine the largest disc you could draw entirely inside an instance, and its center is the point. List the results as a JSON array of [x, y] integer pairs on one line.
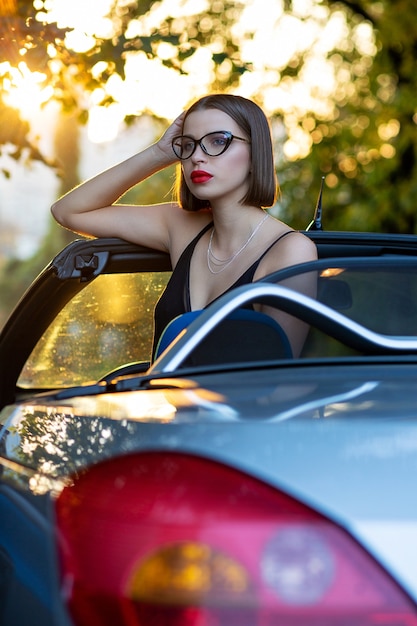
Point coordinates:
[[263, 185]]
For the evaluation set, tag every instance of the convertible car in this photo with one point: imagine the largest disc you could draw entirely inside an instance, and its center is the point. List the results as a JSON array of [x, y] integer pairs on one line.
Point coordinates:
[[223, 481]]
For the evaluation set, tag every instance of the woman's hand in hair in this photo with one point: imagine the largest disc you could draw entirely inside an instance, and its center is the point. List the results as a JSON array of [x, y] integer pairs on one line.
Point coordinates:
[[165, 142]]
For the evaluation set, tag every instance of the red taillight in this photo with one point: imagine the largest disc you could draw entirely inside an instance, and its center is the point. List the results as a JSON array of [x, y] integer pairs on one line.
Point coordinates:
[[166, 539]]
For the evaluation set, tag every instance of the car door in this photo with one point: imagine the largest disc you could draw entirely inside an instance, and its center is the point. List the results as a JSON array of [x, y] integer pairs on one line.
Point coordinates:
[[88, 312]]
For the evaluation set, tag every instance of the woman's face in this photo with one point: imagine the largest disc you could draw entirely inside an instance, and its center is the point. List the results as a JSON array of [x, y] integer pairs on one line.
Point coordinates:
[[218, 179]]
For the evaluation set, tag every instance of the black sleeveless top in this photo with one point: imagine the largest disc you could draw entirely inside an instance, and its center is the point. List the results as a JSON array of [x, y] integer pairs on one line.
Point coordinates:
[[175, 299]]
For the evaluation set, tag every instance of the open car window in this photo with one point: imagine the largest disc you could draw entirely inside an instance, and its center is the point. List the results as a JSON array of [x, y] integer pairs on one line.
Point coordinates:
[[108, 323]]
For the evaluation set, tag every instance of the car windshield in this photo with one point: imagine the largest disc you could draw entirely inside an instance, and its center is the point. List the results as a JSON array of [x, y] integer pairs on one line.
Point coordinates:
[[110, 322]]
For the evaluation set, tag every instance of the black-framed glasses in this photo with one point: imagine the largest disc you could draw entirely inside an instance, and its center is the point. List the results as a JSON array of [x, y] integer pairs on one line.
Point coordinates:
[[213, 144]]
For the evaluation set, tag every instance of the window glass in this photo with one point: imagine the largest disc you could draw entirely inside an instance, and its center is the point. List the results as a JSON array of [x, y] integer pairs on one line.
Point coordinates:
[[381, 297], [108, 324]]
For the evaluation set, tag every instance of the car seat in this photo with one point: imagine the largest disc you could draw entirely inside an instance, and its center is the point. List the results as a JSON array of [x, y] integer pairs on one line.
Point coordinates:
[[245, 335]]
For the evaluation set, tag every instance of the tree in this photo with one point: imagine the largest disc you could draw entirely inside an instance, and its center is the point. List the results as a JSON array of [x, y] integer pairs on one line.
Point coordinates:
[[358, 131], [27, 36], [367, 148]]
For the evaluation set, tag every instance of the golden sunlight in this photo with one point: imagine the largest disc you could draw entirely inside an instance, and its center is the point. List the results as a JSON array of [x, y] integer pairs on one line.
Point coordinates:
[[25, 90], [8, 7], [85, 18], [269, 38]]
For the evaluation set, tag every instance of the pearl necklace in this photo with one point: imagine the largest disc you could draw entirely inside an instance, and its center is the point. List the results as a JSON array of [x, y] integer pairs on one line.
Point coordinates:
[[213, 260]]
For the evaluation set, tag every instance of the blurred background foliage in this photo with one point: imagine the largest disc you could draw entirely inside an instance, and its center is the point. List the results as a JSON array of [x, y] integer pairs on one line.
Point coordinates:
[[359, 133]]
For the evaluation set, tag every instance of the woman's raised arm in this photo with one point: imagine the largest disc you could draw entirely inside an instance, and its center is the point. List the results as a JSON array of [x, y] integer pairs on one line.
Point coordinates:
[[91, 207]]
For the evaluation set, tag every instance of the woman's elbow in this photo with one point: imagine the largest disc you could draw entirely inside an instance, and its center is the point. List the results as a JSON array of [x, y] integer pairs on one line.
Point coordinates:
[[59, 214]]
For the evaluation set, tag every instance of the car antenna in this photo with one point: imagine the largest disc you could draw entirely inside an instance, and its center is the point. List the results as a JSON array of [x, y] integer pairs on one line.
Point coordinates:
[[316, 224]]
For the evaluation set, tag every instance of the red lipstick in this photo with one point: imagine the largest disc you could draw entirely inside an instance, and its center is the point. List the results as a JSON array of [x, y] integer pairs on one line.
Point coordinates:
[[200, 176]]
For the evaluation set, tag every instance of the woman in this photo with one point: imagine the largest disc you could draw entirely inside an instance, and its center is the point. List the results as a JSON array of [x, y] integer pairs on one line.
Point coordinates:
[[217, 233]]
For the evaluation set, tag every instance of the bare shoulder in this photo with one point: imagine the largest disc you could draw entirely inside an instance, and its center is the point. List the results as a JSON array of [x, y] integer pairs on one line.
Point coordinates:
[[177, 216], [184, 226], [291, 249], [298, 245]]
